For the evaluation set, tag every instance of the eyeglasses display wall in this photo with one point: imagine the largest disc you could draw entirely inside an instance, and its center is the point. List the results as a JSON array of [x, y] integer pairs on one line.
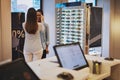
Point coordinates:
[[70, 25]]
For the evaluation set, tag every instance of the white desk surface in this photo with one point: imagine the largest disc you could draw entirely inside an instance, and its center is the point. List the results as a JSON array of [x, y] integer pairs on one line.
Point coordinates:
[[48, 69]]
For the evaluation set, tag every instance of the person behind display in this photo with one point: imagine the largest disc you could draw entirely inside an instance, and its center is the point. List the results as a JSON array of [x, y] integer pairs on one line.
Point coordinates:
[[44, 34]]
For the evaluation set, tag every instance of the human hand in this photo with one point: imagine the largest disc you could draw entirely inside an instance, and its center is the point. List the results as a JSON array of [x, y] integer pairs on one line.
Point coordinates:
[[47, 51], [42, 18]]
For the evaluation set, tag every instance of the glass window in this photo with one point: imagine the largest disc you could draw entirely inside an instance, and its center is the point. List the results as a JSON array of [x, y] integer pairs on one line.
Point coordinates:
[[23, 5]]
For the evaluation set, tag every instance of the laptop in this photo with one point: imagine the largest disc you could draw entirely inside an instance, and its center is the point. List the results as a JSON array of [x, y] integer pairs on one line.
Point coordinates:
[[70, 56], [17, 70]]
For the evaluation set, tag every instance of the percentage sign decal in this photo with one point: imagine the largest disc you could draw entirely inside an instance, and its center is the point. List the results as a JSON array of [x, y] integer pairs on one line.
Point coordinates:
[[20, 34]]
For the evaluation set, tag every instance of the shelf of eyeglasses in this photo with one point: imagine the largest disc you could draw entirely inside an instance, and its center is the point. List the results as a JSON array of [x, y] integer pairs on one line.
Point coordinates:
[[65, 26], [77, 23], [69, 34], [82, 12], [70, 18], [74, 23], [70, 15], [69, 12], [71, 37], [70, 24], [72, 34], [68, 41], [71, 21], [72, 10], [62, 42], [70, 29], [68, 38]]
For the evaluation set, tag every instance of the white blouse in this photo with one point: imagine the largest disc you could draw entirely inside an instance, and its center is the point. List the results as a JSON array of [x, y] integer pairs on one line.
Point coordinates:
[[33, 41]]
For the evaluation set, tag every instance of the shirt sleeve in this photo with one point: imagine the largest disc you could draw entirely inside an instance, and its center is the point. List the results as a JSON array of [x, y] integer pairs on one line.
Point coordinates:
[[47, 33]]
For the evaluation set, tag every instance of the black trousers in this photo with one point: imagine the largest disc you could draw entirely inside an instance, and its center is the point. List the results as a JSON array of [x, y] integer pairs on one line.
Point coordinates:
[[44, 54]]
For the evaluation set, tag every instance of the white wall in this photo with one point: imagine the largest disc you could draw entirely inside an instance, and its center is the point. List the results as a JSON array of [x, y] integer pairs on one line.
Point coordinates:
[[49, 13], [105, 4], [5, 30]]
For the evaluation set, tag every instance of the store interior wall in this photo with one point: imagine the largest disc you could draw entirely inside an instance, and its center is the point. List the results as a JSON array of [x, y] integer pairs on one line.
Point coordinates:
[[105, 4], [49, 15], [5, 30]]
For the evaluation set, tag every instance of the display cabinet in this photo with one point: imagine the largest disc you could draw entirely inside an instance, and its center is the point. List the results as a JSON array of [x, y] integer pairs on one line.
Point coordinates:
[[71, 25]]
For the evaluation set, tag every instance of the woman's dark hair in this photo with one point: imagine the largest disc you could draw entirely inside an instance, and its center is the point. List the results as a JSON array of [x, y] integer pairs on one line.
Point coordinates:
[[31, 25], [41, 11]]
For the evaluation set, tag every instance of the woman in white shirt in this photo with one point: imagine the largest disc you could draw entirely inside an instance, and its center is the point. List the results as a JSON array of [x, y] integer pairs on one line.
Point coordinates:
[[32, 46]]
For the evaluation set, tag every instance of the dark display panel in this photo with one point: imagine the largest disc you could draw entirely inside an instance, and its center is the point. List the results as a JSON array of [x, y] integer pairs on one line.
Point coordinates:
[[95, 27]]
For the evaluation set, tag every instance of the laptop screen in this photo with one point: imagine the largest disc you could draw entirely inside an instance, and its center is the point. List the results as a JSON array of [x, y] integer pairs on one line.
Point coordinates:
[[17, 70], [70, 56]]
